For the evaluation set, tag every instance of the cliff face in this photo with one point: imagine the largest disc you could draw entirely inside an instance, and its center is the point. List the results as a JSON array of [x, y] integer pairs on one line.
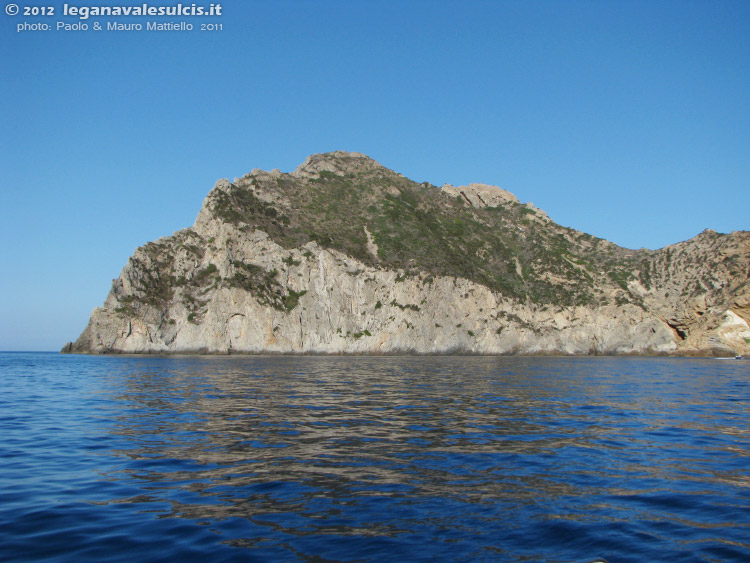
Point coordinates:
[[345, 256]]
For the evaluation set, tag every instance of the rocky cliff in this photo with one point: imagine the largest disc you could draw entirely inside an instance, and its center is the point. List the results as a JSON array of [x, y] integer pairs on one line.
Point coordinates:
[[346, 256]]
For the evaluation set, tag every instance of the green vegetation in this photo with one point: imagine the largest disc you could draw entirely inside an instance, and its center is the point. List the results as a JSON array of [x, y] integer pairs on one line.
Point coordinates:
[[620, 277], [404, 307], [292, 299], [621, 299], [241, 206], [157, 280], [126, 310], [419, 233], [417, 229], [264, 286]]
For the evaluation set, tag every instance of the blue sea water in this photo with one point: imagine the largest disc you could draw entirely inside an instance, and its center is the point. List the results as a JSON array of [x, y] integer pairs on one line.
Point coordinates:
[[373, 459]]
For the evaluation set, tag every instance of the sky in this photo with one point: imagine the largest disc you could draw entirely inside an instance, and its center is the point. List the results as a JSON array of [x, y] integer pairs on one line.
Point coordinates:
[[629, 120]]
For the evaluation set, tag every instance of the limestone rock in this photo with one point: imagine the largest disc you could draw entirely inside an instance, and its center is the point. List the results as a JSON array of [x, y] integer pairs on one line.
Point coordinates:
[[344, 256], [481, 195]]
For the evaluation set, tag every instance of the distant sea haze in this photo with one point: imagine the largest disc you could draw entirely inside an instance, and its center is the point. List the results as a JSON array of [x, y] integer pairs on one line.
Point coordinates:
[[292, 458]]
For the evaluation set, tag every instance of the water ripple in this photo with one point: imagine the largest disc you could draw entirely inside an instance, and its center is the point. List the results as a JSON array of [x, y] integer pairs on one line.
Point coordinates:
[[364, 459]]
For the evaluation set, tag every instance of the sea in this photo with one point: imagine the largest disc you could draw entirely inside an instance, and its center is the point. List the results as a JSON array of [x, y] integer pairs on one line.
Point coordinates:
[[322, 459]]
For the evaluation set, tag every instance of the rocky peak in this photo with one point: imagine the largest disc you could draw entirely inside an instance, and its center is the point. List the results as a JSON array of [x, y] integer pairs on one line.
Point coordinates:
[[486, 195], [336, 162], [481, 195]]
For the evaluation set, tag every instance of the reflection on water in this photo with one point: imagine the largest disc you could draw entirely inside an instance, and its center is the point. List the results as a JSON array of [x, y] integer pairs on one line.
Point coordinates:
[[377, 446], [449, 458]]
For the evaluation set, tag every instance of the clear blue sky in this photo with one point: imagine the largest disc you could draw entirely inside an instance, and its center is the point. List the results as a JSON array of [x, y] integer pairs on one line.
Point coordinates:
[[629, 120]]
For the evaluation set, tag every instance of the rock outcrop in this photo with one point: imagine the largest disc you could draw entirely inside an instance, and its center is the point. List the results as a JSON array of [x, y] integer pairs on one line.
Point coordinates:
[[344, 256]]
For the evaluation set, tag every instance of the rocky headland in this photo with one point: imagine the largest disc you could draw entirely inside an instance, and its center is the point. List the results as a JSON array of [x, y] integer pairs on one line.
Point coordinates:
[[344, 256]]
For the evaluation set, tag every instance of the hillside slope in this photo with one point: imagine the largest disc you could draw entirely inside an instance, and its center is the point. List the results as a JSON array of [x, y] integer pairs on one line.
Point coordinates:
[[346, 256]]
